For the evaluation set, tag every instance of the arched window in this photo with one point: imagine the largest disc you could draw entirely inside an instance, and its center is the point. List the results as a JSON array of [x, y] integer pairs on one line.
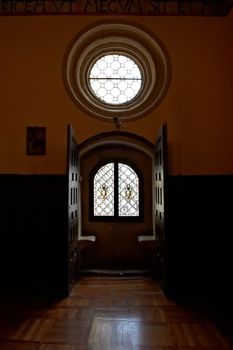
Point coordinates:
[[116, 191]]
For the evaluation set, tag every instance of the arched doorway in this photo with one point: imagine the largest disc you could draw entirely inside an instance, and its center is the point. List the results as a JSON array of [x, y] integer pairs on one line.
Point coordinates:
[[116, 247]]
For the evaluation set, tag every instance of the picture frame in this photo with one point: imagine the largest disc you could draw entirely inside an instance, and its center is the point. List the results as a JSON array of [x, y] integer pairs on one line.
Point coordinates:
[[36, 140]]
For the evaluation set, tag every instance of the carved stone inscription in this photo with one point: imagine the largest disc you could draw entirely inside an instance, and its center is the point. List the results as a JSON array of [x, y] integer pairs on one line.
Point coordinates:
[[111, 7]]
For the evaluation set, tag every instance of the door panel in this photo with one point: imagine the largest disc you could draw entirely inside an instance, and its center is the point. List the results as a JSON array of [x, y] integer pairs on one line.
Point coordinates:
[[73, 206], [116, 246], [160, 203]]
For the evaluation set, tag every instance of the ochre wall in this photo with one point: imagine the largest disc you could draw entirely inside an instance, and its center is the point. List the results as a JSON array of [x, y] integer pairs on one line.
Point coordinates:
[[197, 108]]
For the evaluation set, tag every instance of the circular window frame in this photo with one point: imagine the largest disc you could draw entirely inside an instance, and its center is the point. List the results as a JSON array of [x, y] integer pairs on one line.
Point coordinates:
[[123, 39]]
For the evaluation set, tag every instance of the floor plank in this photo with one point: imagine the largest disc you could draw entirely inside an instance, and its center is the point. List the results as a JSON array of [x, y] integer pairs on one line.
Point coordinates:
[[107, 313]]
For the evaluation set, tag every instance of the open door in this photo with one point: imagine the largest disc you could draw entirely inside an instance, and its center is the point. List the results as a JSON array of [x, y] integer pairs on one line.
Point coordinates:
[[161, 171], [73, 207]]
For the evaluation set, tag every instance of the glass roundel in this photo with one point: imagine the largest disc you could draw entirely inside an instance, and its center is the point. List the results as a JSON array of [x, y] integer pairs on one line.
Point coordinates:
[[115, 79]]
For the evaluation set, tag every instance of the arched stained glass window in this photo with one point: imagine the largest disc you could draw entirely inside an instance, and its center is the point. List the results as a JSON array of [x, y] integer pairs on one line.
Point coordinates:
[[116, 191], [128, 191], [104, 191]]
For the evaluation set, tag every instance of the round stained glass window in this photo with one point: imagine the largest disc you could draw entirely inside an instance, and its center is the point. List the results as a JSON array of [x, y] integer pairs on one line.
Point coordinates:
[[115, 79], [116, 69]]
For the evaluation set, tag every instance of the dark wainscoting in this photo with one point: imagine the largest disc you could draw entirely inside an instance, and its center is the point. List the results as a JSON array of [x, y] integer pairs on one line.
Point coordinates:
[[199, 233], [33, 236]]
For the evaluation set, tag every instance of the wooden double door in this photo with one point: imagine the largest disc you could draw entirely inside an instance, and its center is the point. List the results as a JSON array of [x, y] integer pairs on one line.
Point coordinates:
[[116, 246]]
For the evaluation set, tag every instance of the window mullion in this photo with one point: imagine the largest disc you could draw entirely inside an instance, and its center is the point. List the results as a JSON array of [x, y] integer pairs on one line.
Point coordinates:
[[116, 185]]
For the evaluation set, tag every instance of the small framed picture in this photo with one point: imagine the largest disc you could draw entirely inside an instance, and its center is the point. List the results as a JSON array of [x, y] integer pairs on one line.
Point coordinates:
[[36, 140]]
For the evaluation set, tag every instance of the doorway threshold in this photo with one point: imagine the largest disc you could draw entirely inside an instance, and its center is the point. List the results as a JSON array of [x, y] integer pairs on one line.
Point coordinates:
[[123, 273]]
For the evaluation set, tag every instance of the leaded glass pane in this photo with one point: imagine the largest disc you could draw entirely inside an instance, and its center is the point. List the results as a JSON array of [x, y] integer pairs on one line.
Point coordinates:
[[104, 191], [128, 191], [115, 79]]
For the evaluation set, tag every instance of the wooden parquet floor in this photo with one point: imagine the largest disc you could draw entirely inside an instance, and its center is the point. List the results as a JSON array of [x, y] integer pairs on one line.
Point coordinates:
[[106, 313]]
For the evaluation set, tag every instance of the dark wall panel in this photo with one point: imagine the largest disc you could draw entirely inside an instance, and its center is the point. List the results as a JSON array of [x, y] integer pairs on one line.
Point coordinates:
[[200, 254], [33, 234]]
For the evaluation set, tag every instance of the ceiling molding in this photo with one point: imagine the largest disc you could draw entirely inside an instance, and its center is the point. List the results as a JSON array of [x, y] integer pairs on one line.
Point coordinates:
[[116, 7]]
